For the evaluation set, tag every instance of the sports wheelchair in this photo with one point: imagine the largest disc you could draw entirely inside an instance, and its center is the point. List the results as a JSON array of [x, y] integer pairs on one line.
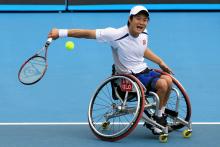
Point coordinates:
[[121, 101]]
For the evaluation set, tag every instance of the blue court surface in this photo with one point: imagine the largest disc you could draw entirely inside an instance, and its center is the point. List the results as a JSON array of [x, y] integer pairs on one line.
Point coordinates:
[[187, 41], [74, 135]]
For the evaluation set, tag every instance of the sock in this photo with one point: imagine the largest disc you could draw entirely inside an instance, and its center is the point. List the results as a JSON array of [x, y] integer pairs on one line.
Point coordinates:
[[163, 109], [159, 113]]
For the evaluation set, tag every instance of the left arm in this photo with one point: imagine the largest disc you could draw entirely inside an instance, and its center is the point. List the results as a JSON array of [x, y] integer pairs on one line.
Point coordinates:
[[148, 54]]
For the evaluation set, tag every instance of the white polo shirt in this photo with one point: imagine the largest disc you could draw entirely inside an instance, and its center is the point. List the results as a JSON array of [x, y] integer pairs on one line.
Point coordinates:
[[128, 51]]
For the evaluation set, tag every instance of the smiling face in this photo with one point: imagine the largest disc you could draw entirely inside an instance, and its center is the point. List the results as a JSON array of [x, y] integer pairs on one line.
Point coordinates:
[[137, 24]]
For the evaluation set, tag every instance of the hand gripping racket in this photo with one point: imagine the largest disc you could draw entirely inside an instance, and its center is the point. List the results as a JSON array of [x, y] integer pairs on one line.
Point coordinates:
[[34, 68]]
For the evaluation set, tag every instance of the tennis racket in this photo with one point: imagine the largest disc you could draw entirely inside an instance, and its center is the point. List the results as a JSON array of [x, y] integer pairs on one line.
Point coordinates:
[[34, 68]]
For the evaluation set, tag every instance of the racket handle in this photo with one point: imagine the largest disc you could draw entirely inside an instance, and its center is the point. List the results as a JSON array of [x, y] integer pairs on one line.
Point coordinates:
[[49, 40]]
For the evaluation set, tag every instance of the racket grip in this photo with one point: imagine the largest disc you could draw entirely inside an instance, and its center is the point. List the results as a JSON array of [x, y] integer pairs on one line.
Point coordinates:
[[49, 40]]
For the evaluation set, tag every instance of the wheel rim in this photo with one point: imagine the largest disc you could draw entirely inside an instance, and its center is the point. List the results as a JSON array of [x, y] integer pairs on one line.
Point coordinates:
[[183, 110], [101, 108]]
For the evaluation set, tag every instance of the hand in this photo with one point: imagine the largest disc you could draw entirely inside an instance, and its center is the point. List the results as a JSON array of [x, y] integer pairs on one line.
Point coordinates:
[[54, 33], [165, 68]]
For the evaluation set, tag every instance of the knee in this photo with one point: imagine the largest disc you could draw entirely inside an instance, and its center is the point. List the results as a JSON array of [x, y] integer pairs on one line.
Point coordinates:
[[168, 80], [161, 85]]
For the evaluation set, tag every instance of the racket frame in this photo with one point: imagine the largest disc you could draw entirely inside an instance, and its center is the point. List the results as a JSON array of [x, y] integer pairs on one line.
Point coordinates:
[[37, 55]]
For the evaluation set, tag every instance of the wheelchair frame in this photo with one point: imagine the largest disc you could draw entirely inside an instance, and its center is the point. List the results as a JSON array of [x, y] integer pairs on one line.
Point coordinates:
[[144, 110]]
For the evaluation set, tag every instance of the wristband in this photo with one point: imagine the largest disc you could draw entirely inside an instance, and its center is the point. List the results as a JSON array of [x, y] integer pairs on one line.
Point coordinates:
[[63, 33]]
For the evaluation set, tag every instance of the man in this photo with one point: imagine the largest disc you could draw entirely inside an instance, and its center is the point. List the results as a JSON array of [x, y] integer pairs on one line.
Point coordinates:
[[129, 47]]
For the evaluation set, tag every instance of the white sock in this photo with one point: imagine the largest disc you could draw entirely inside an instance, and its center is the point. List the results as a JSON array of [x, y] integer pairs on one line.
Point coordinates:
[[163, 109], [159, 113]]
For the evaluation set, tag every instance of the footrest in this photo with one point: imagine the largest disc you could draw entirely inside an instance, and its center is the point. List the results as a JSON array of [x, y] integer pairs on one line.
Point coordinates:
[[171, 112]]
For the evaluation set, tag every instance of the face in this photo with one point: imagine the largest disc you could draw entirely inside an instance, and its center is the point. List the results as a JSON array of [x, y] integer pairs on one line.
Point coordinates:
[[138, 24]]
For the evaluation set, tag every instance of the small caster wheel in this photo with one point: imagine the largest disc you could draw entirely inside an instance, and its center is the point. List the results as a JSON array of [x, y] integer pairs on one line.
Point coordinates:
[[105, 125], [187, 133], [163, 138]]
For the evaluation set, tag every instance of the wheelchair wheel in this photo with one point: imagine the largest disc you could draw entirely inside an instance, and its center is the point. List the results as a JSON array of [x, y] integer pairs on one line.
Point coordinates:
[[112, 117], [178, 105]]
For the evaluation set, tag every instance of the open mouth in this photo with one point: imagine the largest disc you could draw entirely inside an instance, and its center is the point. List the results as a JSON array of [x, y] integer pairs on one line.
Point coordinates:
[[140, 28]]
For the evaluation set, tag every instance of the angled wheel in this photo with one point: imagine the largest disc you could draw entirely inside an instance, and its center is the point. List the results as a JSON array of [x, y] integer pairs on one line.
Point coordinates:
[[187, 133], [116, 107], [163, 138]]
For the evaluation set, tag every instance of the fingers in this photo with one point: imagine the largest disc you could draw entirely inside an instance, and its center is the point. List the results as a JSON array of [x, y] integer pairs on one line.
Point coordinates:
[[165, 68], [54, 33], [171, 72], [168, 70]]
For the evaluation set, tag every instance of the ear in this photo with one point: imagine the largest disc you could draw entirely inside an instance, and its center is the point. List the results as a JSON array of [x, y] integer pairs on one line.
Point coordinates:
[[129, 20]]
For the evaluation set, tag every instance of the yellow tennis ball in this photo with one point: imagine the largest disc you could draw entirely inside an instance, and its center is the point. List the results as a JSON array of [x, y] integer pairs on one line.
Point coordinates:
[[69, 45]]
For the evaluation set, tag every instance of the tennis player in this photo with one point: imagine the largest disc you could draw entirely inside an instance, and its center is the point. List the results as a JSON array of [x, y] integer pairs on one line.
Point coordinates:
[[129, 45]]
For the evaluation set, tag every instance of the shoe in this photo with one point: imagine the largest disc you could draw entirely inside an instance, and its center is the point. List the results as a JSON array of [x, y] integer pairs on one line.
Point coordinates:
[[161, 120]]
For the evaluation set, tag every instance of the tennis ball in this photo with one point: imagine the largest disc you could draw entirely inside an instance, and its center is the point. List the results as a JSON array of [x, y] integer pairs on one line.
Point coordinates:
[[69, 45]]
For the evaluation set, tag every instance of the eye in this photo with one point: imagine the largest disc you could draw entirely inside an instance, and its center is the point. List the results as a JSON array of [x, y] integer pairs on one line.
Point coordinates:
[[138, 18]]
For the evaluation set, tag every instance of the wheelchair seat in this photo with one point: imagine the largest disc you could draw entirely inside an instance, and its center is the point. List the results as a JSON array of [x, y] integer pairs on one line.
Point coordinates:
[[119, 93]]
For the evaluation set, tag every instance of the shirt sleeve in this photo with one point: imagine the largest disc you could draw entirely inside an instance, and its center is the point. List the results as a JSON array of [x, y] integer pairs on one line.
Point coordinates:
[[106, 35]]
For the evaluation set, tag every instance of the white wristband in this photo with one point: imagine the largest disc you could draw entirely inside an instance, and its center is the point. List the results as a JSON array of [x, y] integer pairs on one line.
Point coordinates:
[[63, 33]]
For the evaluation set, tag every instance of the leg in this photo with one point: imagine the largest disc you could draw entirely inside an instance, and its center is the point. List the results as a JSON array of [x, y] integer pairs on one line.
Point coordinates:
[[169, 87], [153, 82], [162, 90], [161, 87]]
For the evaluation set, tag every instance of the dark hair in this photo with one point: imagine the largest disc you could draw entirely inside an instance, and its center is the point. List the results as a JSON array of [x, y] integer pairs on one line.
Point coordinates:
[[130, 17], [139, 13]]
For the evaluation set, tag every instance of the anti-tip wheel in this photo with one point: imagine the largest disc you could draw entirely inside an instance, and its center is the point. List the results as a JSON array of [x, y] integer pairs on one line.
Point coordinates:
[[163, 138], [187, 133]]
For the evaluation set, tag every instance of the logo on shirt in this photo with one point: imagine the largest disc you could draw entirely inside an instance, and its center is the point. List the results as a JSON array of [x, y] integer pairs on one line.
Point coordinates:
[[144, 42]]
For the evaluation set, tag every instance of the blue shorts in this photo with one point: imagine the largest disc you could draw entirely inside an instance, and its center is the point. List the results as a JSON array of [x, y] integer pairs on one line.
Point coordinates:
[[149, 79]]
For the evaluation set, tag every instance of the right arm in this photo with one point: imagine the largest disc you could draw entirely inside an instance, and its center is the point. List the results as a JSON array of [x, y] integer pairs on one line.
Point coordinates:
[[77, 33]]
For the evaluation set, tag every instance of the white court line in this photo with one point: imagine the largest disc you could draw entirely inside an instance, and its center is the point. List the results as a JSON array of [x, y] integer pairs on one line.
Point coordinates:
[[79, 123], [43, 123], [206, 123]]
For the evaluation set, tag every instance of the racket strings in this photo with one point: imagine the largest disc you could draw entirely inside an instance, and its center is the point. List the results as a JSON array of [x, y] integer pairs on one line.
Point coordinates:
[[33, 70], [35, 67]]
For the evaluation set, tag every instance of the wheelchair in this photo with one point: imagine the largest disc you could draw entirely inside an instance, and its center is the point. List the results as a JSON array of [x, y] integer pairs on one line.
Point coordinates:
[[121, 102]]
